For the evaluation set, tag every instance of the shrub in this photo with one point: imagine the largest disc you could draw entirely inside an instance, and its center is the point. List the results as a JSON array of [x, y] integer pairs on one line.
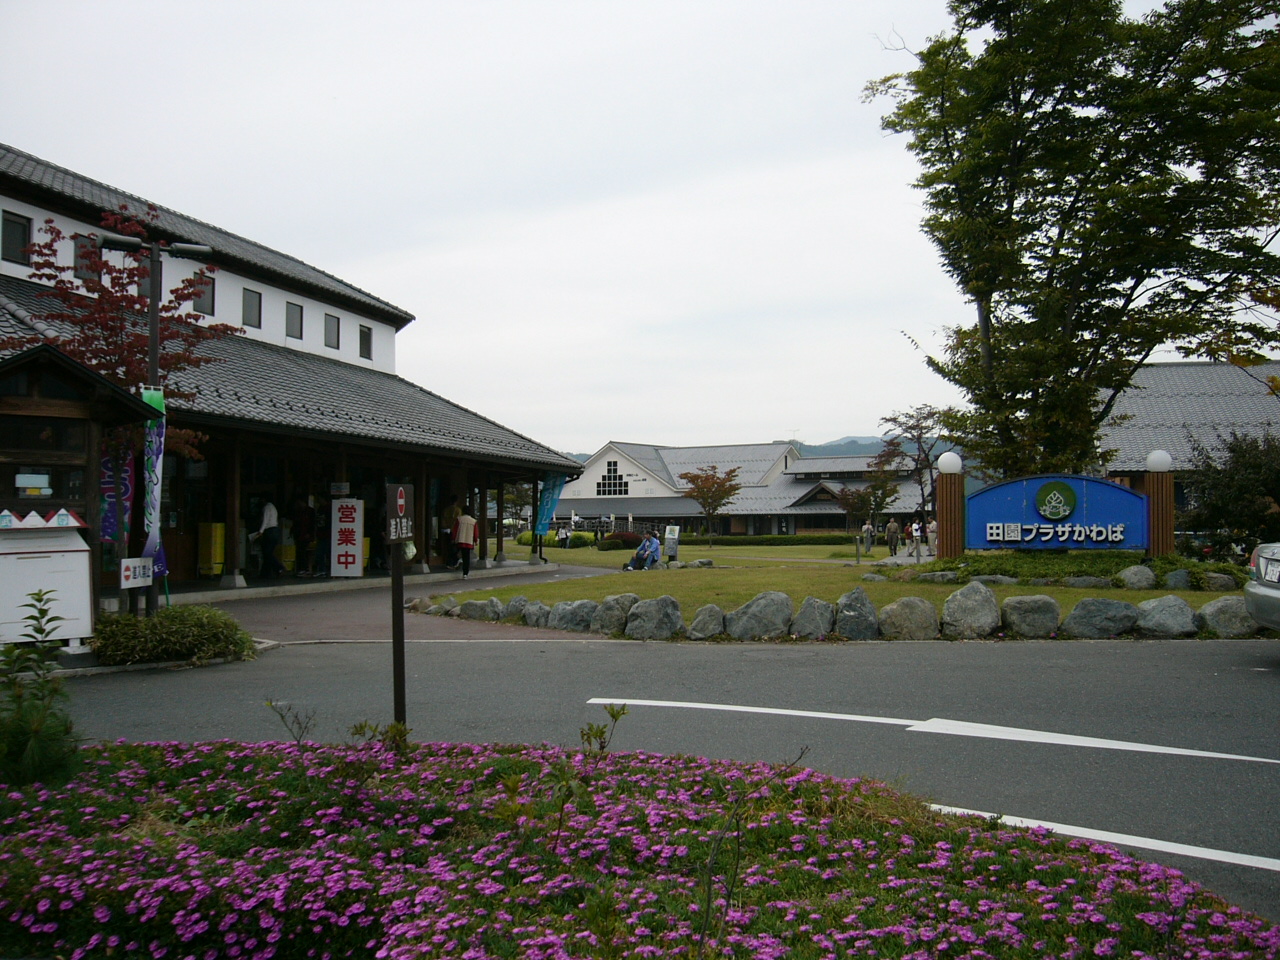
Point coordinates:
[[580, 538], [195, 633], [607, 544], [629, 540], [772, 540], [36, 738]]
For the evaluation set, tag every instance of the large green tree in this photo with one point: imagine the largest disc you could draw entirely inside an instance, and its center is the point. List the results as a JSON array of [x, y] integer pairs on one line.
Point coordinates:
[[1098, 187]]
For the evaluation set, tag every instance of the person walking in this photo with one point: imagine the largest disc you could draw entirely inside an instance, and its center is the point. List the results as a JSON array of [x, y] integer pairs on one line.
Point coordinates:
[[891, 531], [931, 534], [269, 534], [562, 538], [868, 536], [464, 539], [448, 517]]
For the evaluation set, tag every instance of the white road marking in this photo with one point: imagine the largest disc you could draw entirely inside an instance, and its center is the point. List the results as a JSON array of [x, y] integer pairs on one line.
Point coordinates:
[[966, 729], [1126, 840], [961, 728]]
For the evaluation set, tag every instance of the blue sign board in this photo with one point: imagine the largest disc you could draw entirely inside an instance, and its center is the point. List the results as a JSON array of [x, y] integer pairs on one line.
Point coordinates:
[[1056, 512]]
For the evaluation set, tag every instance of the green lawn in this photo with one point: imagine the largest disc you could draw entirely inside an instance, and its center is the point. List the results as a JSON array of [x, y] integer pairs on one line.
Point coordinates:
[[741, 573]]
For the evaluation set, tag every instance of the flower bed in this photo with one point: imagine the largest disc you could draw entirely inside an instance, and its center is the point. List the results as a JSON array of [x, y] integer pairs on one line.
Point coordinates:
[[298, 850]]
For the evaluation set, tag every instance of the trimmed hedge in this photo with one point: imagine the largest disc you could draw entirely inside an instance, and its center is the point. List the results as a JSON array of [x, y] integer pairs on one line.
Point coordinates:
[[578, 538], [629, 540], [772, 540], [194, 634]]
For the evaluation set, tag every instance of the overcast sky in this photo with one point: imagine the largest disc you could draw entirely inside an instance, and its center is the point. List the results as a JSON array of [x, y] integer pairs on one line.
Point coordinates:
[[656, 222]]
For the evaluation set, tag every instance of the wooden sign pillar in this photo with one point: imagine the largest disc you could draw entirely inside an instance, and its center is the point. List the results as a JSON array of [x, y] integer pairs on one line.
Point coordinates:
[[950, 503]]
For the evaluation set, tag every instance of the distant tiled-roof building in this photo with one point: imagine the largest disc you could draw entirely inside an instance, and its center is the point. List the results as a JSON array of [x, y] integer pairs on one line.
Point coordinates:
[[782, 492]]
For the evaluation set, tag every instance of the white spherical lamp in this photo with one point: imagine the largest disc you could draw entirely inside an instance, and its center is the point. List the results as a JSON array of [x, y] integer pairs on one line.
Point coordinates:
[[1159, 461], [950, 462]]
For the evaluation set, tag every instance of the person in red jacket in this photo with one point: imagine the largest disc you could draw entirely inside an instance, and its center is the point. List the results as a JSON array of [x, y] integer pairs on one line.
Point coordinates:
[[464, 539]]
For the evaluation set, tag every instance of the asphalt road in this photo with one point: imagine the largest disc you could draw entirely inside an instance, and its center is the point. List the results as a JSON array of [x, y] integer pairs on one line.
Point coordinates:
[[895, 713]]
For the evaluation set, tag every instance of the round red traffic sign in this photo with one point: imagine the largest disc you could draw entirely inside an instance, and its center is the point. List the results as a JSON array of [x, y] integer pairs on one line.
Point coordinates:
[[400, 501]]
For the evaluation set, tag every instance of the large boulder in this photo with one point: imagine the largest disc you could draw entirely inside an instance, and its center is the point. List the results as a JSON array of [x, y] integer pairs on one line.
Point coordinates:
[[1031, 616], [764, 616], [1167, 617], [536, 614], [448, 605], [490, 610], [814, 620], [1227, 617], [1095, 618], [515, 608], [611, 616], [939, 576], [995, 579], [1179, 579], [970, 613], [572, 615], [658, 619], [909, 618], [1138, 577], [1220, 582], [707, 622], [856, 617]]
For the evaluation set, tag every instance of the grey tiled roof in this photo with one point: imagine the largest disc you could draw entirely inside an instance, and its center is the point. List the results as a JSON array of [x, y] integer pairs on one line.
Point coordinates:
[[753, 460], [1169, 404], [779, 498], [262, 385], [23, 173]]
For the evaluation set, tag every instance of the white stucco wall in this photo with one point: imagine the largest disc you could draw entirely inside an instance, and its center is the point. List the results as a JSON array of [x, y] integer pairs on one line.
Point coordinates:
[[228, 299], [640, 481]]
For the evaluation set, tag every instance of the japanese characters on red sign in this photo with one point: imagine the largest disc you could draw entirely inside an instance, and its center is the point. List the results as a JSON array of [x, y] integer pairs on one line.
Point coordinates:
[[346, 545]]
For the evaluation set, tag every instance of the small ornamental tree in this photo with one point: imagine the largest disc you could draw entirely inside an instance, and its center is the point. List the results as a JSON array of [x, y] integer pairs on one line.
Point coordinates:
[[856, 503], [97, 310], [1233, 492], [918, 432], [712, 490]]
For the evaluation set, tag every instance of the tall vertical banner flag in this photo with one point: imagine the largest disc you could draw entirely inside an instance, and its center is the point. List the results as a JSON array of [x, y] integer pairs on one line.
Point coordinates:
[[116, 489], [153, 465], [548, 500]]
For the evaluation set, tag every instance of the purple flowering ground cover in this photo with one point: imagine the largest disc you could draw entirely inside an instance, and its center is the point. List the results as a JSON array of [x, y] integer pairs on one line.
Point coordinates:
[[290, 850]]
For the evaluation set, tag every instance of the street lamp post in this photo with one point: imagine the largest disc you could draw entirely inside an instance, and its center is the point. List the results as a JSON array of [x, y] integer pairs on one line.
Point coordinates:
[[114, 241]]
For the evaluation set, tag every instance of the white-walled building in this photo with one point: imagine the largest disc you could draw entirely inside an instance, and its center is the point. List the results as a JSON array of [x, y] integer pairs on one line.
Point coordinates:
[[303, 401], [782, 492]]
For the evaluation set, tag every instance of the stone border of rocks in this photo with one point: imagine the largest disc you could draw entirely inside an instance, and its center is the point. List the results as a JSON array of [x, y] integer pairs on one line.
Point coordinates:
[[970, 613]]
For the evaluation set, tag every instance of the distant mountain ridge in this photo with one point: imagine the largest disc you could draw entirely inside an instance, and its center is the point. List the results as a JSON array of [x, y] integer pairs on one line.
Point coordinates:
[[844, 447]]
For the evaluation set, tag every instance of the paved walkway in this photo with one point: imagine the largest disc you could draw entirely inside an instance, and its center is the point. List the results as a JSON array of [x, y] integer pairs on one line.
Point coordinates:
[[364, 614]]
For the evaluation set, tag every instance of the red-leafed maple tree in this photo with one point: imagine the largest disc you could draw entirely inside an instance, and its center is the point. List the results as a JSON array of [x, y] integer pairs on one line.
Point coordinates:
[[712, 490], [98, 314]]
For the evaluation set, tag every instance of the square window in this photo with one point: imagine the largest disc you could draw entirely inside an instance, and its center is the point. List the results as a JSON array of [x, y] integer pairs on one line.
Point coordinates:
[[251, 308], [87, 259], [332, 331], [366, 342], [293, 320], [15, 238], [204, 302]]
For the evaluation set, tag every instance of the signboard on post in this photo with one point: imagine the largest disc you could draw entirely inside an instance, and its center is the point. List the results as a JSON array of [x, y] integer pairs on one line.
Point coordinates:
[[1056, 512], [399, 530], [136, 573], [399, 512], [346, 538]]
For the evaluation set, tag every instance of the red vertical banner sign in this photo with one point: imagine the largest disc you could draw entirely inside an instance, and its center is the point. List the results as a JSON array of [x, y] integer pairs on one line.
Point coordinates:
[[346, 538]]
